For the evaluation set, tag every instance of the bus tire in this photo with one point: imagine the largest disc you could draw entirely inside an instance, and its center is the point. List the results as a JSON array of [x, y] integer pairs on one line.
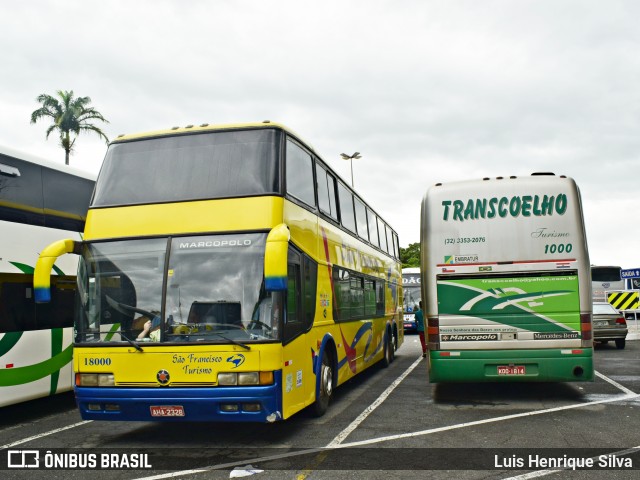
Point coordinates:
[[389, 350], [620, 343], [325, 391]]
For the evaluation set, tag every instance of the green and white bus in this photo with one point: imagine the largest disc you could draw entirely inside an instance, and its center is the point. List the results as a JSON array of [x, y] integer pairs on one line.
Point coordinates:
[[507, 280], [40, 201]]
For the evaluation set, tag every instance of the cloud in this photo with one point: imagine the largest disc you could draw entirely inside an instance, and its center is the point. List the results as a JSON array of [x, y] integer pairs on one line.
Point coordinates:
[[428, 91]]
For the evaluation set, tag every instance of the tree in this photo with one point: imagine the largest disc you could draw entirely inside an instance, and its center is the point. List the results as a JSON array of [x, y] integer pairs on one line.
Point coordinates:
[[410, 256], [70, 117]]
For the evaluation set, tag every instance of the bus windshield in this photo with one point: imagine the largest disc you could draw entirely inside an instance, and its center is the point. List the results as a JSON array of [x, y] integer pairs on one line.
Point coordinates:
[[411, 298], [214, 291], [179, 168]]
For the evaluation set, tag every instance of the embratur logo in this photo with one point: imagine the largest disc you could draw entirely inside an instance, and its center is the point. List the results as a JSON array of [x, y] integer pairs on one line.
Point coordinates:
[[237, 359]]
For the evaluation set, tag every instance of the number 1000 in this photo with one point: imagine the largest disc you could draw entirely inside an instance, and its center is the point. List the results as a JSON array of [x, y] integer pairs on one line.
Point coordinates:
[[558, 248]]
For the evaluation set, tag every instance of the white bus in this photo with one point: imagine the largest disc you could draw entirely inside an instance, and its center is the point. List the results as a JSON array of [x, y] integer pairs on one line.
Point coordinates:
[[505, 270], [411, 295], [605, 279], [40, 201]]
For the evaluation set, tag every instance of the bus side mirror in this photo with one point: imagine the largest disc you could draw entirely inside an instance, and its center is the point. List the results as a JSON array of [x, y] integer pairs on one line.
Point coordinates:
[[42, 273], [275, 258]]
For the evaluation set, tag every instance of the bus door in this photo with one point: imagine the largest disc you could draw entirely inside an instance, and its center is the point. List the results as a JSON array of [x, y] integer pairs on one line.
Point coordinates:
[[298, 378]]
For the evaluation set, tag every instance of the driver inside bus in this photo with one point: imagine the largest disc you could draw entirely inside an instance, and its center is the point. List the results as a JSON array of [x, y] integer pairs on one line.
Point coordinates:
[[151, 330]]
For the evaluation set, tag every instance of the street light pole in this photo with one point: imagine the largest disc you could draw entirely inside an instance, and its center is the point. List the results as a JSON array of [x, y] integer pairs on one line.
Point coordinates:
[[356, 155]]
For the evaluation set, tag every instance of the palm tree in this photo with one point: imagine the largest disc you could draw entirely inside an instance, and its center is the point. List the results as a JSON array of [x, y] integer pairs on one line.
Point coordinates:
[[70, 116]]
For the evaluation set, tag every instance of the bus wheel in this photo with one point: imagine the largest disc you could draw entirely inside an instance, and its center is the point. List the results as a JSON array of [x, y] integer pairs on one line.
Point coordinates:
[[620, 343], [389, 351], [326, 386]]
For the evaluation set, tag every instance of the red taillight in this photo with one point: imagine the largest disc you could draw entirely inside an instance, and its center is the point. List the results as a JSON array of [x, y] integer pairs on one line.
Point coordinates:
[[621, 321], [433, 333], [585, 330]]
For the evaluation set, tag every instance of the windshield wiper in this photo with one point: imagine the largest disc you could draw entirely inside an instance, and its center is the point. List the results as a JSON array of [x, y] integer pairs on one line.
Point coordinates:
[[135, 344], [246, 347]]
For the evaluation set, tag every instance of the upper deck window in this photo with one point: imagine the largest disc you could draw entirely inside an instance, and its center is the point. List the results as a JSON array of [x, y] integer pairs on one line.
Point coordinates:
[[326, 192], [178, 168], [300, 174], [346, 208], [33, 194]]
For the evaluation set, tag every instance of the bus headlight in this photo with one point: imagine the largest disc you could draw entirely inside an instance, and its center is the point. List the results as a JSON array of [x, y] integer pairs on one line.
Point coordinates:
[[227, 379], [95, 380], [248, 378], [245, 378]]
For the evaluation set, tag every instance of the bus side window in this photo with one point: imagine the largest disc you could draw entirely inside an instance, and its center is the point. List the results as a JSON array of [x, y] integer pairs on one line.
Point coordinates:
[[326, 192], [383, 236], [373, 228], [59, 312], [347, 215], [380, 297], [310, 282], [370, 308], [342, 295], [301, 295], [361, 219], [299, 173], [18, 308]]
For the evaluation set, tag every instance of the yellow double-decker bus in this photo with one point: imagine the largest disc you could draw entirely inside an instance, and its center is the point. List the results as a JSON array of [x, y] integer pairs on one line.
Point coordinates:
[[226, 274]]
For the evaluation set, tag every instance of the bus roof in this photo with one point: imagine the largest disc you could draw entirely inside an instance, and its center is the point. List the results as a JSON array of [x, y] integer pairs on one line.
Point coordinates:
[[411, 270], [27, 157], [505, 219], [205, 127], [266, 124]]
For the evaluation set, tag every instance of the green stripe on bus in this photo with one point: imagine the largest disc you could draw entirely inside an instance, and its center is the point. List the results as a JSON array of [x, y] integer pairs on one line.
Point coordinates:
[[21, 375], [114, 329], [56, 349], [8, 341], [23, 267], [58, 271], [544, 310]]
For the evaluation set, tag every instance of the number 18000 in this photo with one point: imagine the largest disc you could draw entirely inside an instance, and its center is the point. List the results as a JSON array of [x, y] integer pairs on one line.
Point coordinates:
[[558, 248]]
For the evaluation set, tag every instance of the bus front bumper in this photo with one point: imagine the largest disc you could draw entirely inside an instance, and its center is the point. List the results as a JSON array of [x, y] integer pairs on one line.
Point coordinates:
[[212, 404]]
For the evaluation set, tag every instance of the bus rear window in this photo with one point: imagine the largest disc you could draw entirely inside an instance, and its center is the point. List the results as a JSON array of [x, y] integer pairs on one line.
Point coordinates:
[[600, 274]]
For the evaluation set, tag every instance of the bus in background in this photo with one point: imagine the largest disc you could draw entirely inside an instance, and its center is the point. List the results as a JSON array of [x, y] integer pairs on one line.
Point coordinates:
[[411, 295], [506, 273], [40, 201], [226, 274], [605, 279]]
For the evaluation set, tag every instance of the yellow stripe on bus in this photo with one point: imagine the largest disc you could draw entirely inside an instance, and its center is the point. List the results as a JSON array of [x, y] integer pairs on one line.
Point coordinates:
[[228, 215]]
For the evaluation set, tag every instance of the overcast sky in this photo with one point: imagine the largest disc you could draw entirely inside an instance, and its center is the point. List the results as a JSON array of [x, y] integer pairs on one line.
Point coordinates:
[[427, 91]]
